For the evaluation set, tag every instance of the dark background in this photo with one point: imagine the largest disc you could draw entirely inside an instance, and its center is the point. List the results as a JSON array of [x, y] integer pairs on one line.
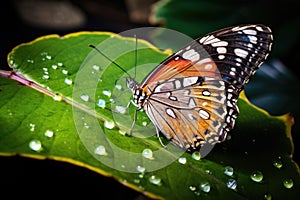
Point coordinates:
[[17, 173]]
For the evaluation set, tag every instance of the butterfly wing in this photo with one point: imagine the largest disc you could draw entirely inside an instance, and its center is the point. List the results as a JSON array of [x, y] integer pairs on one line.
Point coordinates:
[[192, 94]]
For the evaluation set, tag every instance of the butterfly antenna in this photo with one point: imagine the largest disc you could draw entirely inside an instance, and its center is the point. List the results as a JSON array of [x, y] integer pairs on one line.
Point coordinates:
[[116, 64], [135, 61]]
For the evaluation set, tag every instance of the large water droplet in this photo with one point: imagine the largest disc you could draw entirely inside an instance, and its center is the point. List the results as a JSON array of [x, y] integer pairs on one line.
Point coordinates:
[[232, 184], [196, 155], [118, 86], [147, 153], [45, 76], [205, 187], [288, 183], [109, 124], [49, 133], [228, 170], [84, 97], [256, 176], [182, 160], [277, 164], [155, 180], [35, 145], [101, 103], [100, 150]]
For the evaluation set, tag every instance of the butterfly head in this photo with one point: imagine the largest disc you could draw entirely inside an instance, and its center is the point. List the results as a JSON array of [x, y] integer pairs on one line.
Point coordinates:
[[131, 83]]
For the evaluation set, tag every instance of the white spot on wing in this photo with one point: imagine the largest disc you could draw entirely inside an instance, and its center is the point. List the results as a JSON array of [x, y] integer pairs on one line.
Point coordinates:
[[204, 114], [250, 32], [221, 50], [240, 52], [191, 55], [220, 44], [190, 81], [171, 113]]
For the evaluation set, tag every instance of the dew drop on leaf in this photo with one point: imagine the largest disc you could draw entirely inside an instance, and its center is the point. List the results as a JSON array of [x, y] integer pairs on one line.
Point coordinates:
[[288, 183], [120, 109], [107, 93], [277, 164], [35, 145], [64, 71], [205, 187], [49, 133], [267, 197], [196, 155], [232, 184], [182, 160], [100, 150], [155, 180], [192, 188], [84, 97], [101, 103], [228, 170], [68, 81], [147, 153], [96, 67], [256, 176], [109, 124], [54, 66], [32, 127], [140, 169]]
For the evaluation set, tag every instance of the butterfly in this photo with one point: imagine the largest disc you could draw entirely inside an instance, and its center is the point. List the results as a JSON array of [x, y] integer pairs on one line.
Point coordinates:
[[191, 96]]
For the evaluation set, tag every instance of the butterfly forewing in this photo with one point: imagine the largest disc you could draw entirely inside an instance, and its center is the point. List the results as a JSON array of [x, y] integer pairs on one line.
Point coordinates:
[[191, 96]]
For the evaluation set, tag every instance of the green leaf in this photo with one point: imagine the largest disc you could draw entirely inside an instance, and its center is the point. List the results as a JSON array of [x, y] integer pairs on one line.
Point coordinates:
[[55, 115]]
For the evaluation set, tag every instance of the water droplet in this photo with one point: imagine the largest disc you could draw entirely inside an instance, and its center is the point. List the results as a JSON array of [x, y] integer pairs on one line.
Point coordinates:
[[100, 150], [232, 184], [30, 61], [118, 86], [288, 183], [45, 69], [121, 109], [64, 71], [140, 169], [84, 97], [122, 132], [144, 123], [45, 76], [277, 164], [192, 188], [136, 180], [256, 176], [228, 171], [147, 153], [54, 66], [57, 97], [205, 187], [267, 197], [48, 57], [86, 125], [109, 124], [208, 171], [101, 103], [96, 67], [68, 81], [182, 160], [106, 93], [59, 64], [196, 155], [155, 180], [49, 133], [35, 145], [32, 126]]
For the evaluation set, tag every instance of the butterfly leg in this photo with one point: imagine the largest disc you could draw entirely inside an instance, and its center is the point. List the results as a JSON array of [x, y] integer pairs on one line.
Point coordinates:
[[157, 133], [133, 123]]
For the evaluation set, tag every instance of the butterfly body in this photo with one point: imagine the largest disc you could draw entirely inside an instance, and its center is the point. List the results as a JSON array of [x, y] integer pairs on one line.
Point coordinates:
[[191, 96]]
